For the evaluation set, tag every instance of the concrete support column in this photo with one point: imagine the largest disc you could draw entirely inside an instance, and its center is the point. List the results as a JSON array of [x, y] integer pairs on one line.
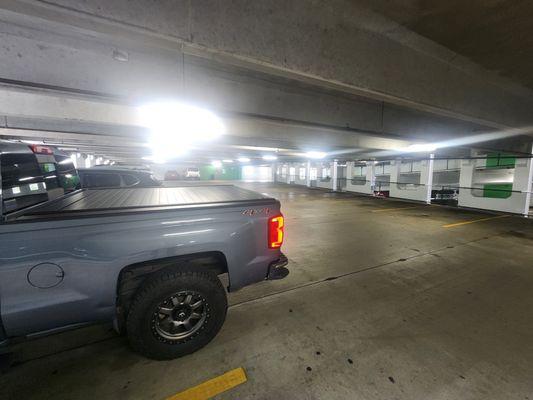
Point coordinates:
[[289, 173], [334, 175], [274, 171], [371, 176], [429, 178], [529, 187], [308, 174]]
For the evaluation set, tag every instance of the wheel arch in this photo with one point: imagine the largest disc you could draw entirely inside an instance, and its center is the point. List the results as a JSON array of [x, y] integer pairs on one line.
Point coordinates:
[[132, 276]]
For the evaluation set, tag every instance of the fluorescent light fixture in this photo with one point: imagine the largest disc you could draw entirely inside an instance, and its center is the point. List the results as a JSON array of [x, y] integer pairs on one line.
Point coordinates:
[[419, 148], [216, 164], [316, 154], [227, 161], [243, 159], [26, 178], [270, 157], [180, 120], [175, 126]]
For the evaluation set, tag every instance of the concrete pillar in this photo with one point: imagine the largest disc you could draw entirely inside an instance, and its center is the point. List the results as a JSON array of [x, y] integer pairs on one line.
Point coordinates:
[[274, 171], [529, 187], [371, 175], [288, 173], [517, 202], [308, 174], [429, 178], [334, 175]]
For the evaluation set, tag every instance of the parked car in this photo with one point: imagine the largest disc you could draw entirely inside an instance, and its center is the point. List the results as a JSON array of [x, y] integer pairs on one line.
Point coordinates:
[[171, 176], [192, 173], [116, 177], [148, 259], [445, 196]]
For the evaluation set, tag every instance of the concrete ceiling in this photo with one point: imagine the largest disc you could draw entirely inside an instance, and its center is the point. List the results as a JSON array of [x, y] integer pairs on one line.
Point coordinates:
[[342, 78], [496, 34]]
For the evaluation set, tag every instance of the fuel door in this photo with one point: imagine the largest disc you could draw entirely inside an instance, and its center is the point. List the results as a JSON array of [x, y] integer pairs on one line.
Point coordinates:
[[45, 275]]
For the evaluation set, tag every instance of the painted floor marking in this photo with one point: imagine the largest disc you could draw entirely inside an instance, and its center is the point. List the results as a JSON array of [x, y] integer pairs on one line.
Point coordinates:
[[474, 220], [212, 387], [396, 209]]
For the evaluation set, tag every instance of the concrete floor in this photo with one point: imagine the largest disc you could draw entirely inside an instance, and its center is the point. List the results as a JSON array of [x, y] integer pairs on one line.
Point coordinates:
[[381, 303]]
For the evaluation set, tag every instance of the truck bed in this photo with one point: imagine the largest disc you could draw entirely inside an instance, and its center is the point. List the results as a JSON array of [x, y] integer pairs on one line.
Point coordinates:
[[89, 202]]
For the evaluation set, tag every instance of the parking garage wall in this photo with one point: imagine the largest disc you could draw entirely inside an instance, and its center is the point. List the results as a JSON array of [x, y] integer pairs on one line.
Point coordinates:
[[444, 181]]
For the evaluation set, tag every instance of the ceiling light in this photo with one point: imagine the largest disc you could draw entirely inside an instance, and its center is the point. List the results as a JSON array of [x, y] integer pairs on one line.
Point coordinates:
[[181, 121], [227, 161], [175, 126], [316, 154], [270, 157]]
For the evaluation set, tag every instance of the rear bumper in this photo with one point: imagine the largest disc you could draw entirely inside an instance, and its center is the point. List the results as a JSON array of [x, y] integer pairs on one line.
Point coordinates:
[[277, 269]]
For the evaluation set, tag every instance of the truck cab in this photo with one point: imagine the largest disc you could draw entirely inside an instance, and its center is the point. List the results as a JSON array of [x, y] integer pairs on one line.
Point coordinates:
[[32, 174]]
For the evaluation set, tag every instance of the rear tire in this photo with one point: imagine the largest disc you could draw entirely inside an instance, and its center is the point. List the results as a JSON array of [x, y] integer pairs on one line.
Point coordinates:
[[176, 313]]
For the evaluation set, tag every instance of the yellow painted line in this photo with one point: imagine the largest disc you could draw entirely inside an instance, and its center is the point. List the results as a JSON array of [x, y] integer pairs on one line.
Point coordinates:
[[474, 220], [212, 387], [396, 209]]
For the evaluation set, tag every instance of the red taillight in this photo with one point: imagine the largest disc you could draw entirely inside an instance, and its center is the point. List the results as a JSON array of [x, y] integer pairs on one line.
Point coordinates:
[[40, 149], [276, 227]]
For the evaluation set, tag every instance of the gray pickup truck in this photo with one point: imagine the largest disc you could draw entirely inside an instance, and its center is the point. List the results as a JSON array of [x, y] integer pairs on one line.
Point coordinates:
[[148, 259]]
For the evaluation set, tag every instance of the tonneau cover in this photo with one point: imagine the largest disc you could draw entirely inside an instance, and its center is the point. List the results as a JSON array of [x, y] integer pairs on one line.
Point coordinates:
[[122, 199]]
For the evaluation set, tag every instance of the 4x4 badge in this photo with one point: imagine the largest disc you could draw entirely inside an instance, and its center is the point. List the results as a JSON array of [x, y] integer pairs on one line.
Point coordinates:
[[253, 211]]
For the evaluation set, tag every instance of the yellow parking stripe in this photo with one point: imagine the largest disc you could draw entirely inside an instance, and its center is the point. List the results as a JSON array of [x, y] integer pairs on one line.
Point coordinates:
[[396, 209], [212, 387], [474, 220]]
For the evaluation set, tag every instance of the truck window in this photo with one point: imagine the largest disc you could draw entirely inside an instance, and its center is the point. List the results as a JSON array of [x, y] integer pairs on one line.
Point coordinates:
[[50, 175], [23, 184], [68, 176], [129, 180], [102, 180]]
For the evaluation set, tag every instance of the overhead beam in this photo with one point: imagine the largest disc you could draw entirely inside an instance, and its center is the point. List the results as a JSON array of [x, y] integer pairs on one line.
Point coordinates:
[[72, 113]]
